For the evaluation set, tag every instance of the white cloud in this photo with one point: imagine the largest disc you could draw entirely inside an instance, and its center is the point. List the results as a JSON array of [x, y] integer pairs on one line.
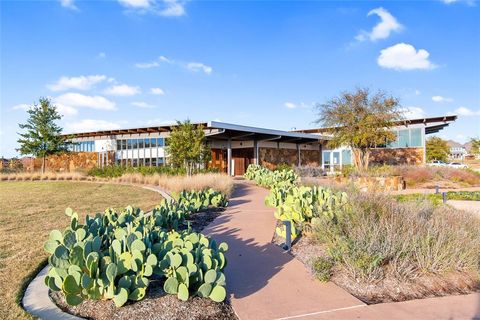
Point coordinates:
[[290, 105], [413, 112], [403, 56], [66, 111], [141, 104], [192, 66], [198, 66], [463, 111], [468, 2], [101, 55], [157, 91], [136, 4], [173, 8], [165, 8], [22, 106], [79, 83], [418, 92], [61, 108], [382, 30], [87, 125], [69, 4], [122, 90], [441, 99], [75, 100]]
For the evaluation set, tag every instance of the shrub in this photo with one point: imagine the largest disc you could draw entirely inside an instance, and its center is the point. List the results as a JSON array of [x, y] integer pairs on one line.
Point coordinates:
[[114, 255], [323, 268], [309, 171], [378, 237]]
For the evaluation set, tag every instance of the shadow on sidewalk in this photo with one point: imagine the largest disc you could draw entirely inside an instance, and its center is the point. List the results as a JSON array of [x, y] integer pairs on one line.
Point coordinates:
[[250, 265]]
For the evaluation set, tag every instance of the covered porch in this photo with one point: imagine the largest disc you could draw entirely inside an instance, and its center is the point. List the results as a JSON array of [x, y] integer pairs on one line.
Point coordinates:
[[234, 147]]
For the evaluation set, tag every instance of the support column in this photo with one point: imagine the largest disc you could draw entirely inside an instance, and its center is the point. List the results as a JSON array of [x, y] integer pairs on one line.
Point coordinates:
[[229, 158], [320, 155], [299, 156], [255, 152]]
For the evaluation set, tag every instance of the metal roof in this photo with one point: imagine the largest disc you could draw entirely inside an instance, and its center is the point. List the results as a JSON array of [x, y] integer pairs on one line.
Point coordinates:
[[432, 125], [225, 131], [217, 130]]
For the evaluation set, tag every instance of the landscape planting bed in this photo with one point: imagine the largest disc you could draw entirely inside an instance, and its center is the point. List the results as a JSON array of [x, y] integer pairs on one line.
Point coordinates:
[[157, 304], [389, 289]]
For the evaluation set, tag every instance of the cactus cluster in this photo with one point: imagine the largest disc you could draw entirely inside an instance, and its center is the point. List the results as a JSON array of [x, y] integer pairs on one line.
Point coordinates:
[[298, 204], [267, 178], [114, 255], [193, 263], [195, 201]]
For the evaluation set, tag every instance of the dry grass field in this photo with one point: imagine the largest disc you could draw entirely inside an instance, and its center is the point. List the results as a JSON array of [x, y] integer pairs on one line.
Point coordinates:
[[30, 210]]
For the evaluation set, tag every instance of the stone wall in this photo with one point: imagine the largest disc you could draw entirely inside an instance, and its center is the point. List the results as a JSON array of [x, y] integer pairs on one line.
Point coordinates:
[[397, 156], [67, 162], [271, 157], [374, 184], [310, 158]]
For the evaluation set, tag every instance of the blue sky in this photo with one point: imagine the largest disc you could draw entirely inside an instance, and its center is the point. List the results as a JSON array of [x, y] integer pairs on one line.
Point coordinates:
[[129, 63]]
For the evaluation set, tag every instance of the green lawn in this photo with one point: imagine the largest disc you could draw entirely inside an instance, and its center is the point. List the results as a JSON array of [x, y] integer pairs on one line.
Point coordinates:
[[30, 210]]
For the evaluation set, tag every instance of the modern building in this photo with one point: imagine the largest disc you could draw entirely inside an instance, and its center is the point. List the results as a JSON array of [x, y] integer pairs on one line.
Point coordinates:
[[234, 147], [408, 148], [458, 151]]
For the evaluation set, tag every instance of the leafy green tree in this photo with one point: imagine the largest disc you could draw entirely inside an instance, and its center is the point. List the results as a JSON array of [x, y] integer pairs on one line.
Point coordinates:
[[186, 146], [437, 149], [475, 148], [361, 121], [42, 136]]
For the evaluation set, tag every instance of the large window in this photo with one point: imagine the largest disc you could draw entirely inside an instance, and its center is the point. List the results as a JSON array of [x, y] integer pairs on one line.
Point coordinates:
[[406, 138]]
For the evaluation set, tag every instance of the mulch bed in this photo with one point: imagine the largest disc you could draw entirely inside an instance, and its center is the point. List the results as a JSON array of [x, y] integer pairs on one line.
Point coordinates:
[[390, 289], [157, 305]]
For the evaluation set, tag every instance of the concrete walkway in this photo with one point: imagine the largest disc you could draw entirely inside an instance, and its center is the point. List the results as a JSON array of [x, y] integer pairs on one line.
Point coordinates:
[[265, 282], [469, 206]]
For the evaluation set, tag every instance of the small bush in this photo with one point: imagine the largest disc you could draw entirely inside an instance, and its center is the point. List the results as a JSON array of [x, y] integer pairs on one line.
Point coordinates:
[[323, 268]]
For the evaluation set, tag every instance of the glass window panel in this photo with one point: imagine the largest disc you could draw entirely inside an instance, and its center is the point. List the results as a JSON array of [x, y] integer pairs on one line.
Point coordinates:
[[346, 157], [135, 163], [124, 144], [403, 138], [129, 143], [160, 161], [134, 143], [326, 157], [160, 142], [140, 143], [416, 137], [336, 158], [147, 161], [394, 144], [154, 162], [147, 143], [153, 142]]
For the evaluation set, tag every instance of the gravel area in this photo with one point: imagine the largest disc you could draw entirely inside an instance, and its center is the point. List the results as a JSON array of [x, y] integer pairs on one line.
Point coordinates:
[[157, 305]]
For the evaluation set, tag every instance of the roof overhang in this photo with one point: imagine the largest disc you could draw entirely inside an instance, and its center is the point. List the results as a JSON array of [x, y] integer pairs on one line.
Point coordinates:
[[432, 125], [235, 132]]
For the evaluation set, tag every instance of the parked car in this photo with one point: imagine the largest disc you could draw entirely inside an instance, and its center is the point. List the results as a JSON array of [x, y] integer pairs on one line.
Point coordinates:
[[457, 165], [437, 163]]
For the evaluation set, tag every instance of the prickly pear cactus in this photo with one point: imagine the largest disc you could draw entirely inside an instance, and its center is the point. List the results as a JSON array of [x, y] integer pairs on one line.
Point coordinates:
[[114, 254]]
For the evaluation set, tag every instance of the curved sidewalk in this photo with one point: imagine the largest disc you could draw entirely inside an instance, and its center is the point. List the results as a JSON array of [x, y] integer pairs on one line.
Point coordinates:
[[266, 283], [263, 280]]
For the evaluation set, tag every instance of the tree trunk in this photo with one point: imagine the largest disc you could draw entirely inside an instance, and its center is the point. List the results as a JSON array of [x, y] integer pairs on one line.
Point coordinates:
[[43, 164]]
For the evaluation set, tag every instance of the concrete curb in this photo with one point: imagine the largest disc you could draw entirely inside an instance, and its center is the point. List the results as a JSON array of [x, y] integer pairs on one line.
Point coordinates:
[[37, 302], [36, 299]]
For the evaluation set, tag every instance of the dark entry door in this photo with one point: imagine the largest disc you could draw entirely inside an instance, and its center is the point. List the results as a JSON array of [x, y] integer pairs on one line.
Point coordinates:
[[241, 159]]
